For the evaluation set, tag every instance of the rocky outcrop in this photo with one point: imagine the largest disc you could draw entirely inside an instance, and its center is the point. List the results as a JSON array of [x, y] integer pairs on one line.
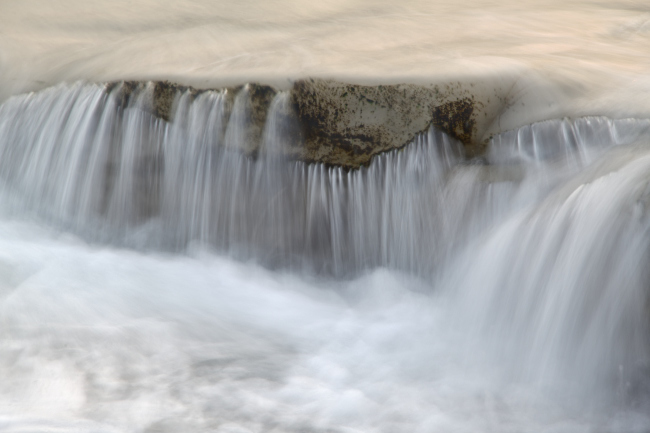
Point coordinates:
[[346, 125], [343, 124]]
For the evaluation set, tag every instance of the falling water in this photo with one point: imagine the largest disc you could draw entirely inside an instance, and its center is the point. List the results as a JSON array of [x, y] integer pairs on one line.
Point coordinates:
[[123, 168], [176, 276]]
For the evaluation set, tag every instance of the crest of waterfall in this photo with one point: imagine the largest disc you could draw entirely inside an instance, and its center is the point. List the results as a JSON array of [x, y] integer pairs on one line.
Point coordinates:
[[577, 142]]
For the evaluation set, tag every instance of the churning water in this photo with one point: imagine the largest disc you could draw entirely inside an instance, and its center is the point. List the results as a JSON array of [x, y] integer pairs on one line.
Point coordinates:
[[155, 277]]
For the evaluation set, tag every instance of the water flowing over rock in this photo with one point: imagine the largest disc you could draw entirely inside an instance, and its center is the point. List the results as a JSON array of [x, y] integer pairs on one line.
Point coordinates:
[[216, 169], [530, 259], [206, 178], [341, 124]]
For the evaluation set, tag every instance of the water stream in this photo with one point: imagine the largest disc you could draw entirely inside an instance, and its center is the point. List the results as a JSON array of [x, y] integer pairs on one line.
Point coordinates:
[[155, 277]]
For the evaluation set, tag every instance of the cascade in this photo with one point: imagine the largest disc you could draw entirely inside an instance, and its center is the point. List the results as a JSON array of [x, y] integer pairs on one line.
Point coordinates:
[[538, 248], [105, 170]]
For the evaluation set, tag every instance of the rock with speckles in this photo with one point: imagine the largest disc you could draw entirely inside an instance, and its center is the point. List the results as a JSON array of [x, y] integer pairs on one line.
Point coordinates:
[[345, 125]]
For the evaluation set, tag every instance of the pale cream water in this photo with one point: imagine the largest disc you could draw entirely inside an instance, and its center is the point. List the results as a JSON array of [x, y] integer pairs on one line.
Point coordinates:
[[587, 57], [420, 294]]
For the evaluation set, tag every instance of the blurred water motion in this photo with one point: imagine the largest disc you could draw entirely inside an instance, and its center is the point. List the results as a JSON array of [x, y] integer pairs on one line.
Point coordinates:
[[155, 277], [593, 53]]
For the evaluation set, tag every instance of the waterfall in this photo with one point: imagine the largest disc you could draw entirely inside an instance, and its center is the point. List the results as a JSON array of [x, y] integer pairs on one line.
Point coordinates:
[[537, 253], [563, 282], [115, 172], [108, 170]]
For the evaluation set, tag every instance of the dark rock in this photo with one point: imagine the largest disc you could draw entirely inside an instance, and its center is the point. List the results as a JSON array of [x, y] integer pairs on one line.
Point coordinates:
[[164, 94], [342, 124], [456, 119], [346, 125], [123, 91]]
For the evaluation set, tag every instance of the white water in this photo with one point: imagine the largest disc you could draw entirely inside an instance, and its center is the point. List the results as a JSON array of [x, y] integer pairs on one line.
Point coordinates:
[[509, 297]]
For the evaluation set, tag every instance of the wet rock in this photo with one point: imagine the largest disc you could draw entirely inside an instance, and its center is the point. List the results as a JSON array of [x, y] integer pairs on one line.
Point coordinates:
[[164, 94], [123, 91], [258, 99], [346, 125], [456, 119], [158, 98], [339, 124]]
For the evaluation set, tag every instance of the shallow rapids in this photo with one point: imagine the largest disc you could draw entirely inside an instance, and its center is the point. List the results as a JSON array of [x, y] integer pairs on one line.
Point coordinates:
[[155, 277]]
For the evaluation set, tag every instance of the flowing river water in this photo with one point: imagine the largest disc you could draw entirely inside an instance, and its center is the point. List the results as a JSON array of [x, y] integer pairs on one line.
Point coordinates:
[[153, 278]]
